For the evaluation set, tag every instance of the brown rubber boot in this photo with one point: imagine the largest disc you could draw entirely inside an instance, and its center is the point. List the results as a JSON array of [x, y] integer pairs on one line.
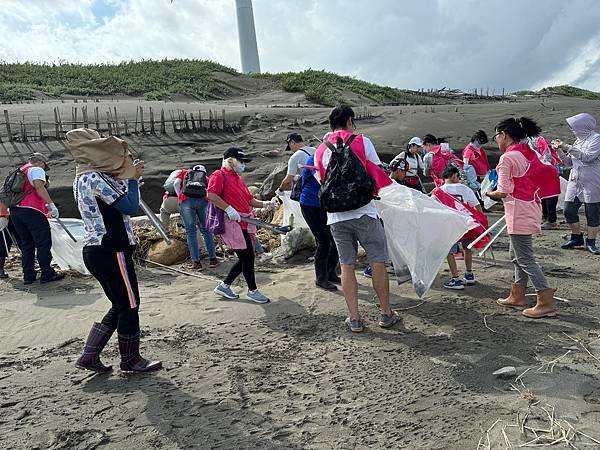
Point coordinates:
[[544, 306], [516, 298]]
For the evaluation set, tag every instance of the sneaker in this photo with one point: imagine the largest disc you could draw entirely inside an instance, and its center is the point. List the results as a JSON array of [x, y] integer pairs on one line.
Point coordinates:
[[454, 283], [54, 277], [590, 245], [368, 272], [196, 265], [388, 321], [257, 297], [356, 326], [213, 262], [327, 285], [225, 291], [469, 279], [264, 257]]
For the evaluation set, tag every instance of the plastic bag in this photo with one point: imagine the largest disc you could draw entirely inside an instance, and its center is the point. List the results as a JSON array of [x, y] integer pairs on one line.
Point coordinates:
[[488, 184], [420, 232], [291, 207], [563, 190], [66, 253]]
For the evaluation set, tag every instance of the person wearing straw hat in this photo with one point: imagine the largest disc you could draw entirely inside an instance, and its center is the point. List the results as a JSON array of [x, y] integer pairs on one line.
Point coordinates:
[[30, 219], [107, 192]]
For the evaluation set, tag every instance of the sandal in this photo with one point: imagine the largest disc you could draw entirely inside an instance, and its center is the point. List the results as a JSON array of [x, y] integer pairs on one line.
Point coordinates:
[[356, 326], [388, 321]]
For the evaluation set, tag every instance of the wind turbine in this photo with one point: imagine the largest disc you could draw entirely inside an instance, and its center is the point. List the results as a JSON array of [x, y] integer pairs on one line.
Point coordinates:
[[247, 36]]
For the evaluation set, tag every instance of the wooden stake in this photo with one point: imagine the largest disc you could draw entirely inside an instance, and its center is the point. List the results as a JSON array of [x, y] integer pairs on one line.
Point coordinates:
[[200, 124], [60, 124], [193, 121], [142, 120], [210, 119], [23, 130], [40, 128], [136, 120], [96, 118], [126, 131], [85, 116], [185, 118], [173, 121], [56, 130], [162, 121], [73, 117], [108, 123], [152, 121], [6, 119], [117, 131], [224, 122]]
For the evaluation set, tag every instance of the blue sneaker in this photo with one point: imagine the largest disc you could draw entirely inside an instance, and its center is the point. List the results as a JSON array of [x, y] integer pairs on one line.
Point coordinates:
[[454, 283], [368, 272], [225, 291], [257, 297], [469, 279]]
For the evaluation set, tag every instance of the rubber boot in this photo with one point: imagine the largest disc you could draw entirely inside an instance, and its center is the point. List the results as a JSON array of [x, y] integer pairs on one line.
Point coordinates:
[[131, 360], [544, 306], [96, 341], [516, 298], [590, 246], [575, 241], [3, 274]]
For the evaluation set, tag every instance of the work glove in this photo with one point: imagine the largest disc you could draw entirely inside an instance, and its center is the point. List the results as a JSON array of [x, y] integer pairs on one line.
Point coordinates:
[[233, 214], [270, 204], [3, 223], [53, 211]]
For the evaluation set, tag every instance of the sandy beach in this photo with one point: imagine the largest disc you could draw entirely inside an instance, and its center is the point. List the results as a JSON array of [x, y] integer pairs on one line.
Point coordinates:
[[288, 375]]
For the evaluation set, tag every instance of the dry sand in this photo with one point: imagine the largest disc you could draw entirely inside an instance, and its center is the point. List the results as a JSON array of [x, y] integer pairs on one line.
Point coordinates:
[[288, 374]]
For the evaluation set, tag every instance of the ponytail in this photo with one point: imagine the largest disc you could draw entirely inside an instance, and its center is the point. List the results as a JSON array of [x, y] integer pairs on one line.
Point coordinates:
[[519, 128], [480, 137]]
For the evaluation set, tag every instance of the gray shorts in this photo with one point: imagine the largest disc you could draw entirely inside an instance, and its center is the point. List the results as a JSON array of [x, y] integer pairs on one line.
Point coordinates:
[[366, 230]]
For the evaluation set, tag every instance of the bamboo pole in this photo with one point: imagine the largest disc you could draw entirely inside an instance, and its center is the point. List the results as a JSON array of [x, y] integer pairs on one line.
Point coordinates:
[[7, 121]]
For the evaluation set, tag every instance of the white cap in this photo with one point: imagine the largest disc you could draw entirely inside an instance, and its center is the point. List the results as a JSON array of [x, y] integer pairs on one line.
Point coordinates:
[[416, 140], [199, 167]]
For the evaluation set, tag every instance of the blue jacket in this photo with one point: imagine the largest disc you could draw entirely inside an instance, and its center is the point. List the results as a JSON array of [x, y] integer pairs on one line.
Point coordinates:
[[310, 186]]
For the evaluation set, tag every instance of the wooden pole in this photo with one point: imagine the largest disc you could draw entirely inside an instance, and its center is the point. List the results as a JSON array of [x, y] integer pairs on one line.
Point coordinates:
[[86, 124], [224, 121], [60, 124], [73, 117], [200, 125], [210, 119], [117, 131], [23, 130], [40, 128], [193, 122], [108, 123], [136, 120], [126, 131], [162, 121], [173, 121], [97, 118], [6, 119], [56, 130], [185, 118], [152, 130], [142, 120]]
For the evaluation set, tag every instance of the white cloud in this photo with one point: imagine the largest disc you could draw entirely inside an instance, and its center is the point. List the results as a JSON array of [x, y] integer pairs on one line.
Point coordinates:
[[511, 44]]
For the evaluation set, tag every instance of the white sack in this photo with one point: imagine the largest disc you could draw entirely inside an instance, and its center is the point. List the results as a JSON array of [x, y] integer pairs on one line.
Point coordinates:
[[292, 207], [296, 240], [488, 184], [66, 253], [563, 190], [420, 232]]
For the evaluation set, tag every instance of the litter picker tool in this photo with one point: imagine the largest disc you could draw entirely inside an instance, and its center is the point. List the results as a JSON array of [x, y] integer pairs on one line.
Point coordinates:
[[269, 226], [12, 238], [486, 232], [66, 230], [5, 243], [154, 222]]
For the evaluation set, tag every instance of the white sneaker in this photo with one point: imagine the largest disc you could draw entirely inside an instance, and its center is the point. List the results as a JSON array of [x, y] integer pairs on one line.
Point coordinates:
[[264, 257], [257, 297]]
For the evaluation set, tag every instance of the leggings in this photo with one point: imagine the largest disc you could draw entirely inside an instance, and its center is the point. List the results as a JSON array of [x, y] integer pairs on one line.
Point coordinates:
[[116, 273], [549, 209], [244, 264], [526, 267]]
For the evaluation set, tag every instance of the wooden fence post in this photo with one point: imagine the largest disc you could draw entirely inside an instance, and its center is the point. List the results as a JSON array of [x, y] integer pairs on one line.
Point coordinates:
[[117, 131], [74, 116], [193, 122], [86, 124], [210, 119], [185, 118], [162, 121], [152, 121], [126, 132], [56, 130], [142, 119], [109, 124], [7, 120], [23, 130], [136, 119], [224, 121], [173, 121], [97, 118], [40, 128]]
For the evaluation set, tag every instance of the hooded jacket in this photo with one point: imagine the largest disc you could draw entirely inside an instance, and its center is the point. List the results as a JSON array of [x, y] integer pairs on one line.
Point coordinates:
[[584, 155]]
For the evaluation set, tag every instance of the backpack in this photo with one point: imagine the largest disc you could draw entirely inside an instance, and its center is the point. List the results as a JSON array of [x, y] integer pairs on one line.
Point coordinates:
[[195, 183], [169, 185], [347, 185], [297, 185], [13, 190]]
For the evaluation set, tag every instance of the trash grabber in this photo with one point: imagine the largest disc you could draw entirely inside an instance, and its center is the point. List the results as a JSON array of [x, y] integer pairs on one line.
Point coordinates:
[[154, 222], [5, 243], [269, 226], [486, 232], [12, 238], [64, 227]]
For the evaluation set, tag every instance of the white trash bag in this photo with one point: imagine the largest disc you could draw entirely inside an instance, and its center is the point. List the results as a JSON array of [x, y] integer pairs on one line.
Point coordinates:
[[420, 232], [66, 253], [300, 237], [561, 198]]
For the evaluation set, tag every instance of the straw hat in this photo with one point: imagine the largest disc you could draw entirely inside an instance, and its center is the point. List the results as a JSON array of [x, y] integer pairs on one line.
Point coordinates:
[[93, 153]]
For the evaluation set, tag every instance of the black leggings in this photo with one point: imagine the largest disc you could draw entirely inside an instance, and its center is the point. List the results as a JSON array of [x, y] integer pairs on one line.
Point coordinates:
[[245, 264], [549, 209], [116, 273]]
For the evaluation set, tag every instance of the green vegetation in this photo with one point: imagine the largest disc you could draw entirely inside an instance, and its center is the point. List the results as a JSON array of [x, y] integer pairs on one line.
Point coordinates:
[[152, 79], [330, 89], [157, 80], [566, 90]]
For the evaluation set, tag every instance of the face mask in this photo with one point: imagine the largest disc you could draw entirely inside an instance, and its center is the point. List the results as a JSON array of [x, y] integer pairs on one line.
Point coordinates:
[[239, 167]]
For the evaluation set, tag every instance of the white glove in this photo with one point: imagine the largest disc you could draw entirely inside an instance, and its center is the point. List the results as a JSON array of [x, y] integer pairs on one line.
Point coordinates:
[[53, 211], [3, 223], [270, 204], [233, 214]]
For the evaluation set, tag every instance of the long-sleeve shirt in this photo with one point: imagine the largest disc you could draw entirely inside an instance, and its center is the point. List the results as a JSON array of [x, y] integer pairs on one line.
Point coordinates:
[[584, 180]]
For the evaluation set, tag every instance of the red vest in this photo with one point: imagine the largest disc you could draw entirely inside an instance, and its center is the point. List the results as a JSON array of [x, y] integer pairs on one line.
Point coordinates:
[[33, 199], [439, 161], [478, 159], [358, 147], [539, 181]]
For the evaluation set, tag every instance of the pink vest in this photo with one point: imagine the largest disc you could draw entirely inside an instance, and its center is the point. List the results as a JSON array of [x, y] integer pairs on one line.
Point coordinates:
[[478, 159], [539, 181], [32, 199], [358, 147], [439, 162]]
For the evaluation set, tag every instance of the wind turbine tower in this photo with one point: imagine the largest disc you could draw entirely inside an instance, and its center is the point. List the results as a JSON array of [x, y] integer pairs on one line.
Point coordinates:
[[247, 36]]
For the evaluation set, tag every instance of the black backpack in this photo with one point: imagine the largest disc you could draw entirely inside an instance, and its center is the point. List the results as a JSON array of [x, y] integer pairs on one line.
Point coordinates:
[[347, 184], [13, 190], [195, 183]]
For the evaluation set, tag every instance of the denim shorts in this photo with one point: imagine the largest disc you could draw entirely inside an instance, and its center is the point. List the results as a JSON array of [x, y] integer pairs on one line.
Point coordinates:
[[367, 231]]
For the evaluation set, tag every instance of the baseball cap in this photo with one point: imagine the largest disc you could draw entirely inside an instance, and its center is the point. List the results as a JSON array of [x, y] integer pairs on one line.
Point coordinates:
[[417, 141], [292, 137], [236, 153]]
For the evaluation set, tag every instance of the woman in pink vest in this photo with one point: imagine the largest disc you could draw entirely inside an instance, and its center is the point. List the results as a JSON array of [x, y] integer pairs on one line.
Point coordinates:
[[474, 154], [523, 180], [438, 157]]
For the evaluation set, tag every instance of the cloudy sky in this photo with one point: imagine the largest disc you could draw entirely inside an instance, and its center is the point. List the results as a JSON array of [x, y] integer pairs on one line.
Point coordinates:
[[512, 44]]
